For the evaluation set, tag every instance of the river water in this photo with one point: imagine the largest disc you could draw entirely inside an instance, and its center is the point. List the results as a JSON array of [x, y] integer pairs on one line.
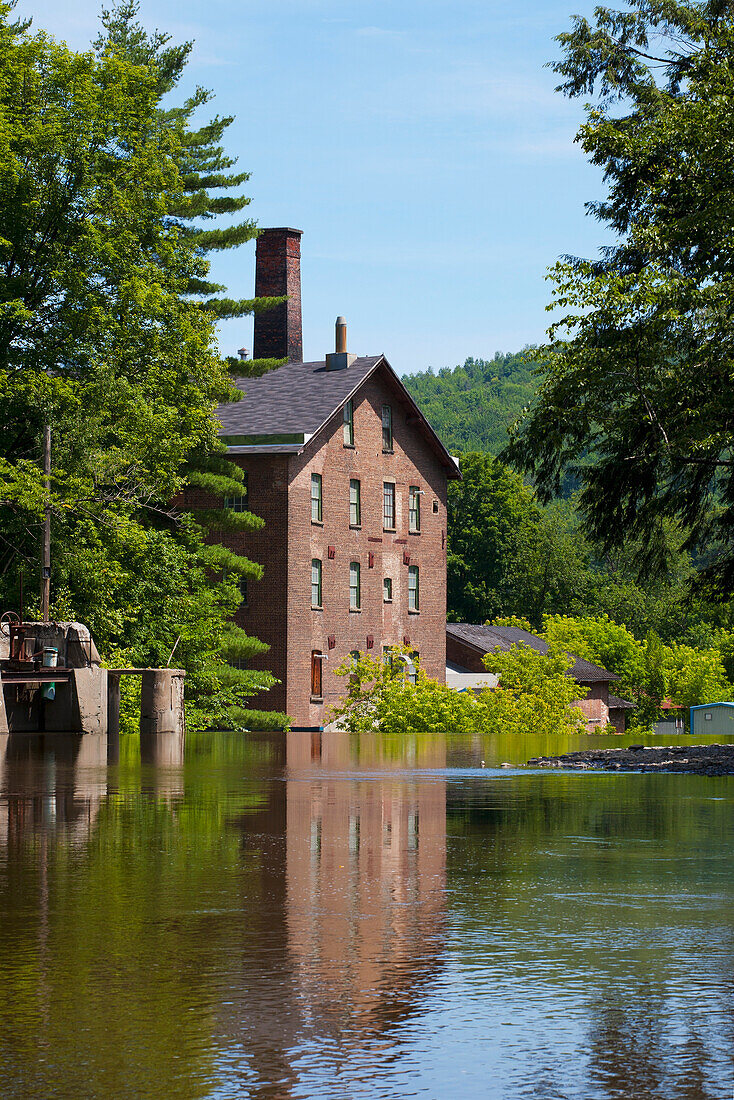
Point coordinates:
[[346, 917]]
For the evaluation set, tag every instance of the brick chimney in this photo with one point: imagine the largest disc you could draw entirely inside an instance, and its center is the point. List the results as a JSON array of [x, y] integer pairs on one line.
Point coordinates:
[[278, 332]]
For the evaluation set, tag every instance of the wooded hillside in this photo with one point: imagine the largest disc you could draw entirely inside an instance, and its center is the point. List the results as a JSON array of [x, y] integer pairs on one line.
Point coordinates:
[[472, 406]]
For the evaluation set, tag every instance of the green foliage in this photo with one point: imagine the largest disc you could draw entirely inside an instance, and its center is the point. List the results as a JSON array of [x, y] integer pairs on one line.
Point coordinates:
[[601, 641], [534, 694], [206, 177], [471, 407], [380, 697], [695, 676], [639, 368], [509, 556], [101, 338], [649, 671], [491, 515], [512, 620]]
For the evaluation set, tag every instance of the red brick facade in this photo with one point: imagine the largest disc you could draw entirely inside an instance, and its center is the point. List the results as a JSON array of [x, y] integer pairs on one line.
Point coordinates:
[[278, 331], [279, 607]]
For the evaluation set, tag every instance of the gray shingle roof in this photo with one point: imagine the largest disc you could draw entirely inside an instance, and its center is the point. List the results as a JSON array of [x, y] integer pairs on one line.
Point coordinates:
[[294, 398], [290, 404], [615, 703], [487, 638]]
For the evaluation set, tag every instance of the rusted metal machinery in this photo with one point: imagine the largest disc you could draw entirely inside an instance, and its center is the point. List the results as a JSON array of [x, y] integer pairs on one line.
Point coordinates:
[[37, 658], [28, 662]]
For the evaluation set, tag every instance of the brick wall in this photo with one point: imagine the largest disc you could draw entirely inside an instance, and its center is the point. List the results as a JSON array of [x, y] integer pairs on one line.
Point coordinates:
[[279, 608], [459, 653], [413, 462], [278, 331], [598, 690]]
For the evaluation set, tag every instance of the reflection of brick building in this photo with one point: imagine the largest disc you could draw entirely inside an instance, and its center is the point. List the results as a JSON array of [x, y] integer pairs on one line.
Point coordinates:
[[467, 643], [351, 482], [343, 882], [365, 874]]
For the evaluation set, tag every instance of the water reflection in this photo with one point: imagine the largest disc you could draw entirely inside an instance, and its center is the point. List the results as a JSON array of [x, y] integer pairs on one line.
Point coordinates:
[[50, 783], [365, 879], [324, 915]]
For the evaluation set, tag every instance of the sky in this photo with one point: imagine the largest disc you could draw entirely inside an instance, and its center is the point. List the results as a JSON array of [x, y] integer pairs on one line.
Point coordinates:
[[419, 145]]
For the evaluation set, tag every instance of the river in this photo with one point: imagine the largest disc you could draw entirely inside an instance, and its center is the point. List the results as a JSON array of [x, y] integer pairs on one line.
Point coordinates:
[[359, 916]]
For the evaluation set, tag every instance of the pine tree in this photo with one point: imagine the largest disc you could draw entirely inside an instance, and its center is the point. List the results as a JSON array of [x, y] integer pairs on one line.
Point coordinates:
[[637, 392], [101, 337], [208, 174], [209, 190]]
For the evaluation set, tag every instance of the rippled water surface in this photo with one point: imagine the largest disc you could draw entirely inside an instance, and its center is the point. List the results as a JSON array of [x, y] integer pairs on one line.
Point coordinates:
[[333, 916]]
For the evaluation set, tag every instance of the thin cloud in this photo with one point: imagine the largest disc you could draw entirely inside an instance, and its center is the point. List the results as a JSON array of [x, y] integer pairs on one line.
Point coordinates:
[[380, 32]]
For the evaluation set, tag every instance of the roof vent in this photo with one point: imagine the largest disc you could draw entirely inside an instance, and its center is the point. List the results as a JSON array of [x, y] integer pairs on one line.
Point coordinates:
[[340, 359]]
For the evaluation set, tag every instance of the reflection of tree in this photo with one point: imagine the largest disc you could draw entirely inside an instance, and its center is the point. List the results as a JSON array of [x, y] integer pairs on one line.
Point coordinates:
[[273, 913], [629, 1054], [595, 898], [646, 1040], [181, 936], [109, 986]]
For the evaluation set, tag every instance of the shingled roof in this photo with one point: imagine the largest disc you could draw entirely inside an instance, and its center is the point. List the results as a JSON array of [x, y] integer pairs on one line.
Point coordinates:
[[487, 638], [615, 703], [280, 411], [294, 398]]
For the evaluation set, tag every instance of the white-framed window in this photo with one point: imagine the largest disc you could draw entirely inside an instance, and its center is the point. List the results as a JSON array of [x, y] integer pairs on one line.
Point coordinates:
[[388, 505], [349, 424], [243, 593], [414, 509], [355, 586], [316, 582], [317, 511], [387, 589], [238, 503], [413, 588], [355, 503], [387, 428]]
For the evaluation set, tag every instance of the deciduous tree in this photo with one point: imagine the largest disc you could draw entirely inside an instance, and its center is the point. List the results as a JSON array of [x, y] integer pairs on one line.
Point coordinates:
[[101, 337]]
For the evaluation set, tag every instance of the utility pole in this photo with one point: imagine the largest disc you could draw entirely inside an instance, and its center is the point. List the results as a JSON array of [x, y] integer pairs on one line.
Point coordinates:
[[46, 563]]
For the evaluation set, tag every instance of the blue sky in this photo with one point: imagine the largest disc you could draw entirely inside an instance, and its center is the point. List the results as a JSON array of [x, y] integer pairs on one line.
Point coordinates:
[[418, 144]]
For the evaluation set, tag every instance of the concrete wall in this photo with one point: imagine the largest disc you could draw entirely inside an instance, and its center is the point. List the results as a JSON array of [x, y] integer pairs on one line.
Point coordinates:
[[82, 702], [80, 705]]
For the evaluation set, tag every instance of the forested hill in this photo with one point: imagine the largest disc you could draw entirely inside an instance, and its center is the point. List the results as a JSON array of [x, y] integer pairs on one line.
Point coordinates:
[[470, 407]]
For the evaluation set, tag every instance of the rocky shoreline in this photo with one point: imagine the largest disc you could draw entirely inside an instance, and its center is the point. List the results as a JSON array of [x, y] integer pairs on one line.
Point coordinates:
[[695, 759]]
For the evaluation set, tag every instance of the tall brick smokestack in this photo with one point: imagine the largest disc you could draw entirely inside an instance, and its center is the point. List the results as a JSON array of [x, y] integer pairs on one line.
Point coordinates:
[[278, 331]]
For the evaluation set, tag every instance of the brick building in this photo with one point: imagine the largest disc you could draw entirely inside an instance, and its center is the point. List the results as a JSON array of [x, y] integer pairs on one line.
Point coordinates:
[[467, 643], [351, 482]]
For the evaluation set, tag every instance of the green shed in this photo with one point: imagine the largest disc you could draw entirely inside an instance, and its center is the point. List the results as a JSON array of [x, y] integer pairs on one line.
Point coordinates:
[[714, 718]]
